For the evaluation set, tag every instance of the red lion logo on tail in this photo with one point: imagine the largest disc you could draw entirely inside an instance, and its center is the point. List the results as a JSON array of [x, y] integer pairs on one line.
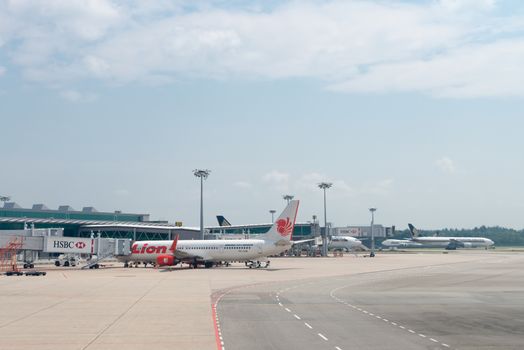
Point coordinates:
[[284, 227]]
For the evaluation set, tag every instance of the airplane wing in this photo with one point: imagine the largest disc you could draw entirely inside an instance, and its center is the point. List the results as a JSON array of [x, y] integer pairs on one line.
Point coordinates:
[[303, 241]]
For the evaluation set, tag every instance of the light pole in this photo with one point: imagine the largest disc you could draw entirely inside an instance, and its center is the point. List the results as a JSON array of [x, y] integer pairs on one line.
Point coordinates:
[[5, 199], [372, 210], [288, 197], [272, 211], [202, 174], [324, 186]]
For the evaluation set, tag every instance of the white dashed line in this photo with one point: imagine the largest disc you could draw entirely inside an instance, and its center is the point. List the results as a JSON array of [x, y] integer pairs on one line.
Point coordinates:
[[322, 336], [296, 316], [336, 347], [378, 317], [422, 335], [393, 323], [308, 325], [385, 320], [433, 340], [411, 331], [371, 314], [287, 309], [446, 345], [280, 304], [402, 327]]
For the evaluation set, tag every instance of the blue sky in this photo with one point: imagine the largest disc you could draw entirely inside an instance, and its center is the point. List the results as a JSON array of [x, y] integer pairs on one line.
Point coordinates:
[[413, 107]]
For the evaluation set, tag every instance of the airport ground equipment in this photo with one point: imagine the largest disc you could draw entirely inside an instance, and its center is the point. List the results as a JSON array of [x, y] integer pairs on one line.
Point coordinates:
[[8, 255], [36, 273]]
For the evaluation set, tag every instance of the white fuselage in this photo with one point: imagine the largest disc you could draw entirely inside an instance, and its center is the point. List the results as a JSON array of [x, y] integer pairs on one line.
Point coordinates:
[[344, 242], [207, 250], [443, 242], [400, 243]]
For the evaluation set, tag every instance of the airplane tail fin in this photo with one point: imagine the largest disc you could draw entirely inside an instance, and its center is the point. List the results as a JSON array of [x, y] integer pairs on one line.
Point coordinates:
[[413, 230], [222, 221], [281, 232], [173, 246]]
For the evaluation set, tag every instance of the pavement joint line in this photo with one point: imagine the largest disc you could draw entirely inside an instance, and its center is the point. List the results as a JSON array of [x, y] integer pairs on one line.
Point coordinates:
[[308, 325], [322, 336]]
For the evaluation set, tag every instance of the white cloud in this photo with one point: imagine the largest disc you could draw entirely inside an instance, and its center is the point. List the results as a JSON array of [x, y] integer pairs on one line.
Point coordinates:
[[122, 192], [243, 184], [446, 165], [276, 176], [446, 48], [382, 187], [76, 96]]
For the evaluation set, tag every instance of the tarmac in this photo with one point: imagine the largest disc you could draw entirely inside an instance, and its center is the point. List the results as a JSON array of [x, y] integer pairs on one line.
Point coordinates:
[[460, 300]]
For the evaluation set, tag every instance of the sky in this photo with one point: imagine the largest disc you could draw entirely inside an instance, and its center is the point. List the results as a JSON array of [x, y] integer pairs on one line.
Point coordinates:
[[413, 107]]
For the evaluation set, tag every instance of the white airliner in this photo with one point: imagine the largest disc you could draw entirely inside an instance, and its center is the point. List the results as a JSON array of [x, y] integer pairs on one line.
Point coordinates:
[[346, 243], [450, 243], [253, 252], [400, 243]]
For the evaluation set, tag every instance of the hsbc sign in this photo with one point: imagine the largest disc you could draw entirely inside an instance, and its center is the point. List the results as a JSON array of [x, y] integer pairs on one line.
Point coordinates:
[[67, 245]]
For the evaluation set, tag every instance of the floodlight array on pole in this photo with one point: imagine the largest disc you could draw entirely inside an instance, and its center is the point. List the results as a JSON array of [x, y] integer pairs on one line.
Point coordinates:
[[372, 253], [272, 211], [5, 199], [288, 197], [324, 186], [202, 174]]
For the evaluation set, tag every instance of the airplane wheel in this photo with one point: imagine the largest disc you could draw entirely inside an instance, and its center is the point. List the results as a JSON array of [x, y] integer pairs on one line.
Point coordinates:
[[126, 265]]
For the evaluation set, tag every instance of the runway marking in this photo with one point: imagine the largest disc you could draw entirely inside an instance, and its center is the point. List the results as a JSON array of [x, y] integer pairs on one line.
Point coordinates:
[[322, 336], [287, 309], [411, 331], [336, 347], [371, 314], [280, 304], [296, 316], [433, 340], [378, 317], [385, 320], [446, 345], [422, 335], [308, 325], [402, 327], [393, 323]]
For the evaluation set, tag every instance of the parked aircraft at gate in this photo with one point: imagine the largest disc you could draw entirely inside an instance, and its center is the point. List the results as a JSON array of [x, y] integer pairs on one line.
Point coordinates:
[[209, 252]]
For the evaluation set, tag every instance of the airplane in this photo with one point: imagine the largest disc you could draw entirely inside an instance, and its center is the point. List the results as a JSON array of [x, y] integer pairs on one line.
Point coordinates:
[[450, 243], [347, 243], [400, 243], [253, 252], [222, 221]]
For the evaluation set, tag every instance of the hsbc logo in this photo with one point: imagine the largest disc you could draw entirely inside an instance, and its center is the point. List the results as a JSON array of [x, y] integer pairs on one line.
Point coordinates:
[[73, 245]]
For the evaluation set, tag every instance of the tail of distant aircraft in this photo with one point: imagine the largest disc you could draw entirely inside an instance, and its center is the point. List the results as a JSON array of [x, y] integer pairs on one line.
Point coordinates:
[[222, 221], [281, 232], [413, 230]]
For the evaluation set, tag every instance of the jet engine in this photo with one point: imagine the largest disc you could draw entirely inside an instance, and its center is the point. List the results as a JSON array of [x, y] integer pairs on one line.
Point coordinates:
[[166, 260]]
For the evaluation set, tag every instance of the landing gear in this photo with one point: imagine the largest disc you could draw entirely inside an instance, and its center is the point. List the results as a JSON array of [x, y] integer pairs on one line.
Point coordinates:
[[126, 265], [257, 264]]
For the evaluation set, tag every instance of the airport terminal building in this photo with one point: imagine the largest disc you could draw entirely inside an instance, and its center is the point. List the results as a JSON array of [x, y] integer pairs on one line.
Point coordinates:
[[90, 222]]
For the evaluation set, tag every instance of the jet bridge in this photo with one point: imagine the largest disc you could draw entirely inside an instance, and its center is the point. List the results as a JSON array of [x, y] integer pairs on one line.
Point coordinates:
[[52, 241]]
